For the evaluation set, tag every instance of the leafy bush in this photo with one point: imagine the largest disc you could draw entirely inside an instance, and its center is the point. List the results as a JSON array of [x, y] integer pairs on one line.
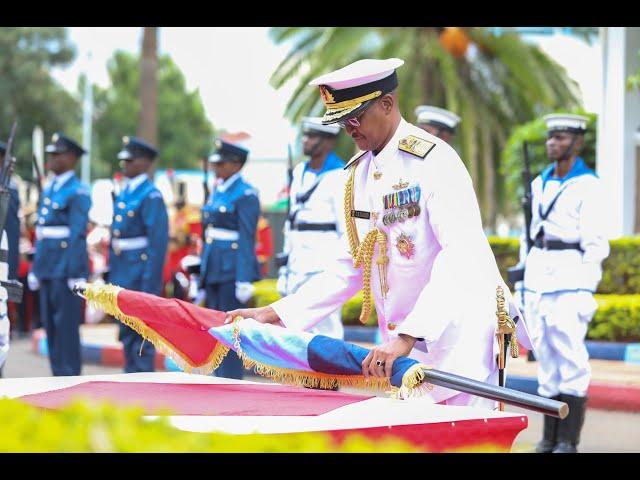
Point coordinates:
[[83, 427]]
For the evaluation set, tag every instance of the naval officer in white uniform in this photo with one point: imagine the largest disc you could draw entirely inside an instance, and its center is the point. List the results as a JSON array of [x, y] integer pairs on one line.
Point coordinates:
[[414, 241]]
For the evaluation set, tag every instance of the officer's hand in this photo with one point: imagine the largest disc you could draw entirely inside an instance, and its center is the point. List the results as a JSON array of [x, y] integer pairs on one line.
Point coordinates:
[[33, 282], [71, 282], [194, 284], [244, 291], [262, 315], [379, 361]]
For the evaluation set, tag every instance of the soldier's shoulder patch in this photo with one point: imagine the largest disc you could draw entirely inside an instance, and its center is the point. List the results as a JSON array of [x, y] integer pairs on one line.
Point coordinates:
[[354, 159], [416, 146]]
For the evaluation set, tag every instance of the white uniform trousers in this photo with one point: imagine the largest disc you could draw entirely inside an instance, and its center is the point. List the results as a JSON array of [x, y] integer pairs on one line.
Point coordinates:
[[558, 325]]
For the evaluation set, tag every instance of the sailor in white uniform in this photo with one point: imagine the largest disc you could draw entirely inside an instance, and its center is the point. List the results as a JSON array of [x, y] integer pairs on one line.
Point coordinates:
[[316, 221], [414, 242], [562, 272]]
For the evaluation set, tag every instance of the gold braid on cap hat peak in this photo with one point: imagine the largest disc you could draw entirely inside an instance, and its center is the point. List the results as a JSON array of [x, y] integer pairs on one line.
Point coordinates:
[[362, 253]]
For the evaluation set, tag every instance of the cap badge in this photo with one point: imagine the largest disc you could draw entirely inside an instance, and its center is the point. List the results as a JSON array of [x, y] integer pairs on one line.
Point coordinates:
[[55, 137], [400, 185], [126, 140], [326, 95]]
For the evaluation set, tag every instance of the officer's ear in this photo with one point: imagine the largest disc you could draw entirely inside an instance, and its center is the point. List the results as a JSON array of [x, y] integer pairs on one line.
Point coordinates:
[[579, 143], [387, 102]]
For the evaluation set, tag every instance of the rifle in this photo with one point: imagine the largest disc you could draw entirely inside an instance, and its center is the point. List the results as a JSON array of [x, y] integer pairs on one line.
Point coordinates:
[[38, 179], [14, 288], [516, 274], [205, 181], [282, 258]]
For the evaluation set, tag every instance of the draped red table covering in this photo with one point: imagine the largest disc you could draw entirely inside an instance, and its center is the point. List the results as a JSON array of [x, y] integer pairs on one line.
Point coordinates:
[[200, 399]]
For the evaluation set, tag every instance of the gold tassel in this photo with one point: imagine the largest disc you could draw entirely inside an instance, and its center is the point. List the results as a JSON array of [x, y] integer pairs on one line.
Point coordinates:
[[105, 297]]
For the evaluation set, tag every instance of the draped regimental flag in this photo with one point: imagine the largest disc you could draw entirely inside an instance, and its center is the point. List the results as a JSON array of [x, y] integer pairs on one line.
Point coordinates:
[[197, 340]]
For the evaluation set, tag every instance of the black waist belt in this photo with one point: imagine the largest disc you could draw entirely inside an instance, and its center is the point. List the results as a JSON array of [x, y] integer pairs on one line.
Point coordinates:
[[317, 227], [556, 244]]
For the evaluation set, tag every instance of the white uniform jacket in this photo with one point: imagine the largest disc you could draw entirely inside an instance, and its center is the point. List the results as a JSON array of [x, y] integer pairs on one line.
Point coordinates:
[[577, 216], [308, 250], [445, 294]]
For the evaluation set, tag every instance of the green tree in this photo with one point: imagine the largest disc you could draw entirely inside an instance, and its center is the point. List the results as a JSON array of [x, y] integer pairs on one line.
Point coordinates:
[[633, 82], [492, 82], [185, 134], [29, 94], [535, 134]]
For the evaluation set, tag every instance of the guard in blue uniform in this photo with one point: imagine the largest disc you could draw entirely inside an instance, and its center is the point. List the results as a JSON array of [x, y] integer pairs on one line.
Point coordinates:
[[229, 221], [12, 226], [61, 258], [139, 239]]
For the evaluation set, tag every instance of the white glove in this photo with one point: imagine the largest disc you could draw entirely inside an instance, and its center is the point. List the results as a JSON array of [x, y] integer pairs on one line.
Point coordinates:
[[33, 282], [194, 280], [244, 291], [281, 284], [71, 282], [200, 297]]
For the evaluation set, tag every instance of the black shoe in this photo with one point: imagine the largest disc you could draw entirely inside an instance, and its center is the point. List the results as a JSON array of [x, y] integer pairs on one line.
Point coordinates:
[[569, 429], [565, 447], [548, 442]]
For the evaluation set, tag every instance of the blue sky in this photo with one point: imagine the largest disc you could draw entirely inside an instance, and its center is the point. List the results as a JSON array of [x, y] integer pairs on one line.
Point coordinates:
[[231, 67]]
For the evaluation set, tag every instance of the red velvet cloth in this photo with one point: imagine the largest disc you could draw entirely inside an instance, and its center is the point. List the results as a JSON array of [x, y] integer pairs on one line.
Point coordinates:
[[201, 399], [184, 325]]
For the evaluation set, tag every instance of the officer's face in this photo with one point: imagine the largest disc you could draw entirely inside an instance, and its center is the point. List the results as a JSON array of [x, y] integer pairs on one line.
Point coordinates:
[[224, 169], [441, 133], [374, 125], [134, 167], [312, 144], [61, 162], [558, 143]]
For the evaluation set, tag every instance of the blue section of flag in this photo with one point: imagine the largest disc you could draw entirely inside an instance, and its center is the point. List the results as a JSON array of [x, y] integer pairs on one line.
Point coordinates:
[[336, 357]]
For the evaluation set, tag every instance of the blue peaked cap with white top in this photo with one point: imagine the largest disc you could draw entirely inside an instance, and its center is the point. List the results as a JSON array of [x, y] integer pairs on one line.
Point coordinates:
[[566, 122]]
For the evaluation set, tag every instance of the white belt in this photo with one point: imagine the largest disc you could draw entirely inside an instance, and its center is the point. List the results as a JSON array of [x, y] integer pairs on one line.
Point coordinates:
[[221, 234], [52, 232], [132, 243]]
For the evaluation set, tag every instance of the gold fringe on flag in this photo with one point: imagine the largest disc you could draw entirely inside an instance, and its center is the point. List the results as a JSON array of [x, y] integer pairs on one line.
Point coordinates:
[[105, 297]]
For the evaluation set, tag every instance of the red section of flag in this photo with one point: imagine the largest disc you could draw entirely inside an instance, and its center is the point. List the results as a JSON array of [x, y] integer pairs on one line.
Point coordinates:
[[183, 325], [201, 399]]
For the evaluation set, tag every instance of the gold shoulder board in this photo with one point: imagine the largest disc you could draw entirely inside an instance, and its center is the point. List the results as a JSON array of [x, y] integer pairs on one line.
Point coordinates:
[[354, 159], [416, 146]]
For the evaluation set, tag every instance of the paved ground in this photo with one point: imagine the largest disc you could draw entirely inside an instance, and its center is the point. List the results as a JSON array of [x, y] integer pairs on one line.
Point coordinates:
[[603, 432]]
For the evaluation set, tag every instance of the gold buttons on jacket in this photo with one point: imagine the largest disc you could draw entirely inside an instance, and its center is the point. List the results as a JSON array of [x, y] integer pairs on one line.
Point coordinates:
[[209, 240], [234, 246], [41, 221], [121, 205], [130, 213], [47, 201], [116, 233], [391, 326], [144, 257], [118, 218], [44, 210], [222, 209], [55, 205], [63, 244]]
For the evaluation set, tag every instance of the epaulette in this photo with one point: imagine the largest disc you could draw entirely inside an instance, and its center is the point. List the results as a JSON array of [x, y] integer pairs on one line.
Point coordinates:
[[416, 146], [354, 159], [251, 191], [155, 194]]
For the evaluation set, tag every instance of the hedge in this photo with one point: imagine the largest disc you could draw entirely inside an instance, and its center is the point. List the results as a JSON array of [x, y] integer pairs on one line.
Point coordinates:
[[83, 427], [620, 270], [617, 318]]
